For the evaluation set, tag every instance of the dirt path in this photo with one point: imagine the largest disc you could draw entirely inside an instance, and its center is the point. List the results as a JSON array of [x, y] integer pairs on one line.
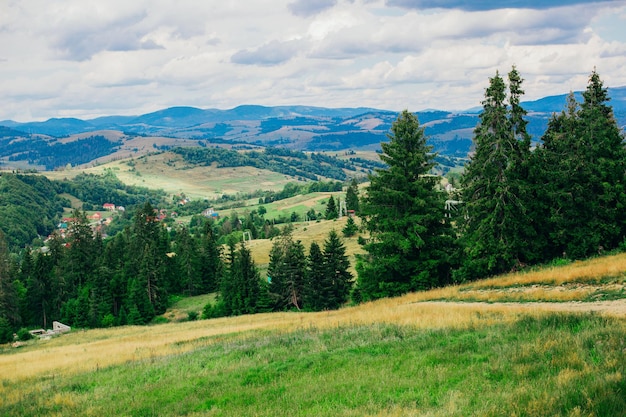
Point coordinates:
[[613, 308]]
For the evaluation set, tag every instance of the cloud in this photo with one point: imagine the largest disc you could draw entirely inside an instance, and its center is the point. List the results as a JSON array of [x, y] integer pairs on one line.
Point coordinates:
[[307, 8], [130, 57], [272, 53], [482, 5]]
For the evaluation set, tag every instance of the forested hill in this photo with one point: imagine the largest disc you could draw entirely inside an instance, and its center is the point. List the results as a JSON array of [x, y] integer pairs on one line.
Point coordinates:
[[29, 207]]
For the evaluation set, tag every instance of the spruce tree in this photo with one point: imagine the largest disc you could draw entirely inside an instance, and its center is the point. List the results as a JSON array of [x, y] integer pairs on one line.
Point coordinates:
[[248, 280], [338, 280], [352, 196], [583, 162], [331, 209], [211, 266], [9, 302], [555, 180], [287, 272], [350, 228], [315, 288], [498, 222], [410, 242]]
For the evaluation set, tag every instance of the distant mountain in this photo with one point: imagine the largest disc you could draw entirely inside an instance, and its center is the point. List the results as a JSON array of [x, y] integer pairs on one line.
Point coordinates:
[[295, 127]]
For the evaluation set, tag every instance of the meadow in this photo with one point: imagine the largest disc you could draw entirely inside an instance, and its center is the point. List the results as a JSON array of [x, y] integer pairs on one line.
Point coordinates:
[[421, 354], [545, 341]]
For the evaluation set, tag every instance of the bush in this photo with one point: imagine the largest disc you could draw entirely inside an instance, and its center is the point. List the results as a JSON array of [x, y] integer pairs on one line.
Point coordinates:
[[159, 320], [211, 311], [108, 320], [192, 316], [23, 334]]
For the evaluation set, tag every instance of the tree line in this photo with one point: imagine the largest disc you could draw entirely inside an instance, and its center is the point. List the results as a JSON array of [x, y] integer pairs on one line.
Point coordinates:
[[87, 281], [517, 206]]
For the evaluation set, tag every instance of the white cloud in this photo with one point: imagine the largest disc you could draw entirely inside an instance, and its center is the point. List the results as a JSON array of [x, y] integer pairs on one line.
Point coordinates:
[[88, 57]]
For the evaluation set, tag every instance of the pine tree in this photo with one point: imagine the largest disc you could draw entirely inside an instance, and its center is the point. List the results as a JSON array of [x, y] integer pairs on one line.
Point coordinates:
[[9, 302], [498, 221], [411, 244], [337, 277], [352, 196], [315, 288], [188, 264], [350, 228], [241, 286], [331, 209], [211, 266], [287, 272], [248, 280], [79, 261], [554, 180], [229, 298], [583, 161]]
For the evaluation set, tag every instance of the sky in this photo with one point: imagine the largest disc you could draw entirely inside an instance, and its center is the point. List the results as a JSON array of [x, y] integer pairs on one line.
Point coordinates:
[[90, 58]]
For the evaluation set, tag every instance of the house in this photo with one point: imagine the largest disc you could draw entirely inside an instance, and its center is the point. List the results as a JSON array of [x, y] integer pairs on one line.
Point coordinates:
[[210, 213], [108, 206]]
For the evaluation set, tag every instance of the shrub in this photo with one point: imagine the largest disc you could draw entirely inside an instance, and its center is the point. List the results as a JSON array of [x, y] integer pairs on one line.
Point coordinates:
[[108, 320], [23, 334]]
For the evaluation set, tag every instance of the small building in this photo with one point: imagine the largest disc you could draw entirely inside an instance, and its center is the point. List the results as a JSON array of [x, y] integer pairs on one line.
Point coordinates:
[[108, 206], [210, 213]]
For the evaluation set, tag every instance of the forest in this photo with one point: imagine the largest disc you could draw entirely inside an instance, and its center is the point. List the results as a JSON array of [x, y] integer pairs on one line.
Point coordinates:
[[517, 206]]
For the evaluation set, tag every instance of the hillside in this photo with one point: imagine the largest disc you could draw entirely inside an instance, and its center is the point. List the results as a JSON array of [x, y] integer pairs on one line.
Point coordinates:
[[58, 142], [421, 354]]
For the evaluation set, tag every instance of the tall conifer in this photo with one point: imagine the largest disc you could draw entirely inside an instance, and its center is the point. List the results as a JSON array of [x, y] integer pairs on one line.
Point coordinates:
[[498, 222], [410, 241]]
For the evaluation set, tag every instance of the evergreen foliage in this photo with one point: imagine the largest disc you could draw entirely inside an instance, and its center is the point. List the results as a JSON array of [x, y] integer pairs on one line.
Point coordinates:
[[350, 228], [328, 281], [9, 302], [287, 272], [352, 196], [337, 279], [411, 243], [331, 209], [241, 287], [579, 170], [497, 220], [30, 206], [315, 288]]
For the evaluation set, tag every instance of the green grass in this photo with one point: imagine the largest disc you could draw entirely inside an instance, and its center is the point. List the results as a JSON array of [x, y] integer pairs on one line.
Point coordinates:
[[182, 306], [557, 365]]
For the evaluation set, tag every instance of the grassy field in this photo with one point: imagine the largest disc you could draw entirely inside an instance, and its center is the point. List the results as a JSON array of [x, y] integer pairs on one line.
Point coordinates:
[[406, 356], [168, 172], [547, 341]]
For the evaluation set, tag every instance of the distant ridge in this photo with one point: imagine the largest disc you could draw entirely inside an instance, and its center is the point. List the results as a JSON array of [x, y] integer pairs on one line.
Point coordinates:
[[296, 127]]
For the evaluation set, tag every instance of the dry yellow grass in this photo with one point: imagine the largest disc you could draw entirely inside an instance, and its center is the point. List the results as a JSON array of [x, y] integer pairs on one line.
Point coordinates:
[[574, 282], [579, 271], [308, 232], [88, 350]]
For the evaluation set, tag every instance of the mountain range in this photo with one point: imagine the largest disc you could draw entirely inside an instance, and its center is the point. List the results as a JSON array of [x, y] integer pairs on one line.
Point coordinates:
[[308, 128]]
